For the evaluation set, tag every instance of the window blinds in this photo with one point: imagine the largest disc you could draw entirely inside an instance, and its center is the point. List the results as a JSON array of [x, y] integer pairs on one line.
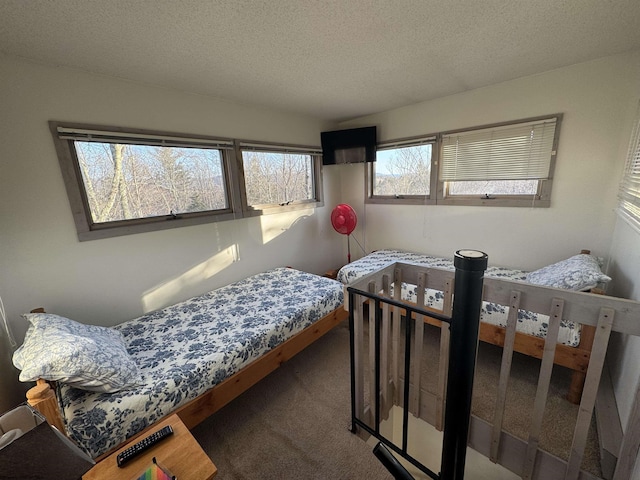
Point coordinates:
[[511, 152], [630, 186]]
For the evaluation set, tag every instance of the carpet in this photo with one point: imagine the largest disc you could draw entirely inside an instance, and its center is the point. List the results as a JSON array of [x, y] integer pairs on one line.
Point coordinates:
[[295, 423]]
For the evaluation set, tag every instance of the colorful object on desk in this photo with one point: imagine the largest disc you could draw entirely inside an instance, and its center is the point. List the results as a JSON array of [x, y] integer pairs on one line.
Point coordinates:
[[155, 472]]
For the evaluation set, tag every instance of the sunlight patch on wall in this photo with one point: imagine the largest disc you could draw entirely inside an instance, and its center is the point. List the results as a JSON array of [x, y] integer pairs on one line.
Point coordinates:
[[170, 292], [273, 226]]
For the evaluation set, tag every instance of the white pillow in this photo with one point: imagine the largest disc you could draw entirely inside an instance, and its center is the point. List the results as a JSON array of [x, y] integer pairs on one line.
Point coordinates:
[[580, 272], [83, 356]]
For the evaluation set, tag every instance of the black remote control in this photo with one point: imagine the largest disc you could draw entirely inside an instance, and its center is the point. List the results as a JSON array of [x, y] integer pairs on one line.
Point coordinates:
[[144, 444]]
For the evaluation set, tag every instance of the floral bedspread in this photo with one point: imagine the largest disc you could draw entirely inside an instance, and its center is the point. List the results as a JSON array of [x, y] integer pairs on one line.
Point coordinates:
[[528, 322], [184, 350]]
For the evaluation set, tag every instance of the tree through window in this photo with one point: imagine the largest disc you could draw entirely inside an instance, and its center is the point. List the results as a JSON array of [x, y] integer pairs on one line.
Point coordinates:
[[124, 181]]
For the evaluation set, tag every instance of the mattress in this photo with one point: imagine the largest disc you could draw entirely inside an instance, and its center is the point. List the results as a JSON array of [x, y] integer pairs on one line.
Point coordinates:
[[185, 349], [528, 322]]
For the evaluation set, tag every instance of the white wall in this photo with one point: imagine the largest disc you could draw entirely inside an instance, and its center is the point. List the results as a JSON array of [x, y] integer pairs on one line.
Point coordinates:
[[107, 281], [624, 268], [593, 97]]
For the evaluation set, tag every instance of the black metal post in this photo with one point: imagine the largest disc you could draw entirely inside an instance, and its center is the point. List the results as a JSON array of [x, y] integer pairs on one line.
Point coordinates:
[[470, 266], [352, 360], [391, 463]]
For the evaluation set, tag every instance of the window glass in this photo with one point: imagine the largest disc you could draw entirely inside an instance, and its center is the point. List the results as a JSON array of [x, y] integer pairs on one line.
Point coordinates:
[[403, 171], [275, 178], [124, 181], [493, 187]]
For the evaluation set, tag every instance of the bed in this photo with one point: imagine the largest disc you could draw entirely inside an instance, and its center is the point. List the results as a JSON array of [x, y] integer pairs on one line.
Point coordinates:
[[580, 272], [191, 358]]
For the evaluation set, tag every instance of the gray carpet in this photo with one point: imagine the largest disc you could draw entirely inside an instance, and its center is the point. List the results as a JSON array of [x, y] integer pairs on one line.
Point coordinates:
[[294, 424]]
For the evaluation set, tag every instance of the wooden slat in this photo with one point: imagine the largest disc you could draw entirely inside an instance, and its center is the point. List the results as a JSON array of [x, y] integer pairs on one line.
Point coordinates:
[[583, 307], [543, 387], [505, 372], [395, 336], [443, 365], [414, 404], [589, 393], [587, 335], [374, 397], [384, 350]]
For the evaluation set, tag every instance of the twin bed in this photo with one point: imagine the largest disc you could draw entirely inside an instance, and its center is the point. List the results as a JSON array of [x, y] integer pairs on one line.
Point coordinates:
[[580, 273], [194, 357]]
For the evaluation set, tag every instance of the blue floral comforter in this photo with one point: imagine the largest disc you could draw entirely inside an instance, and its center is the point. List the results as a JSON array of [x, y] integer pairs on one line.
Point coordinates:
[[186, 349], [528, 322]]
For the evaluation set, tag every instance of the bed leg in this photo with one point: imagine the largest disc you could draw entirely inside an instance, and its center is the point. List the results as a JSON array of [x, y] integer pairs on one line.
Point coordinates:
[[575, 388], [43, 399]]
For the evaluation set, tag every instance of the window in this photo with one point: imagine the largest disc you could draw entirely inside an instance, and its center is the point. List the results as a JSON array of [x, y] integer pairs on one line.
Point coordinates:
[[124, 181], [130, 181], [121, 182], [277, 176], [629, 206], [402, 171], [508, 164]]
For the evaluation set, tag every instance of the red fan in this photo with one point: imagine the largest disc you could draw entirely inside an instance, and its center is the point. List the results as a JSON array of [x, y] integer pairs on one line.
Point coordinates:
[[344, 220]]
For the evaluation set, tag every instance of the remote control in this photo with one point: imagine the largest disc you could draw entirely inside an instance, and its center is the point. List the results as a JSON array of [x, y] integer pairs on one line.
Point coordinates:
[[144, 444]]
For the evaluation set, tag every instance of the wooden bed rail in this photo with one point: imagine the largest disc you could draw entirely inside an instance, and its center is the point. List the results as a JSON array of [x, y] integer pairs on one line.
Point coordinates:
[[42, 397]]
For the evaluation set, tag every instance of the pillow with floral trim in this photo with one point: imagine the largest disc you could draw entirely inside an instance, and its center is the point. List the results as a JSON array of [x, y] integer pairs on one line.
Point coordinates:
[[83, 356], [580, 272]]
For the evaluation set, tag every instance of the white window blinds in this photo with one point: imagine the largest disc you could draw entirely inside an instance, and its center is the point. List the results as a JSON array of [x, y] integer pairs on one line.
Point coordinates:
[[520, 151], [630, 186]]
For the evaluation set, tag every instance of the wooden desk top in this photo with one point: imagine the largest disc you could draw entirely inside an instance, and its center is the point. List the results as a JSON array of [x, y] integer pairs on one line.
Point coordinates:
[[180, 454]]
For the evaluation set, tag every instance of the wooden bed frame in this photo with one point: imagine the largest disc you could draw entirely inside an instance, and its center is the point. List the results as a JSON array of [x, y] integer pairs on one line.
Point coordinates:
[[42, 396], [574, 358]]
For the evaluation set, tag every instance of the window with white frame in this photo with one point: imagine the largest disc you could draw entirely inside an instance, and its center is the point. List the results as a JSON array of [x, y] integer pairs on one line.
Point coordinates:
[[276, 176], [629, 195]]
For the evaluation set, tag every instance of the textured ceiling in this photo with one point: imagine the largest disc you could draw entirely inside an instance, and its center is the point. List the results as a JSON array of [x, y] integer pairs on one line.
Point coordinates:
[[333, 60]]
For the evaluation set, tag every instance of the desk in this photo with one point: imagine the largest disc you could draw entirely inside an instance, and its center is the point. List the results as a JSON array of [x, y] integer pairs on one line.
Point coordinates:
[[180, 454]]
